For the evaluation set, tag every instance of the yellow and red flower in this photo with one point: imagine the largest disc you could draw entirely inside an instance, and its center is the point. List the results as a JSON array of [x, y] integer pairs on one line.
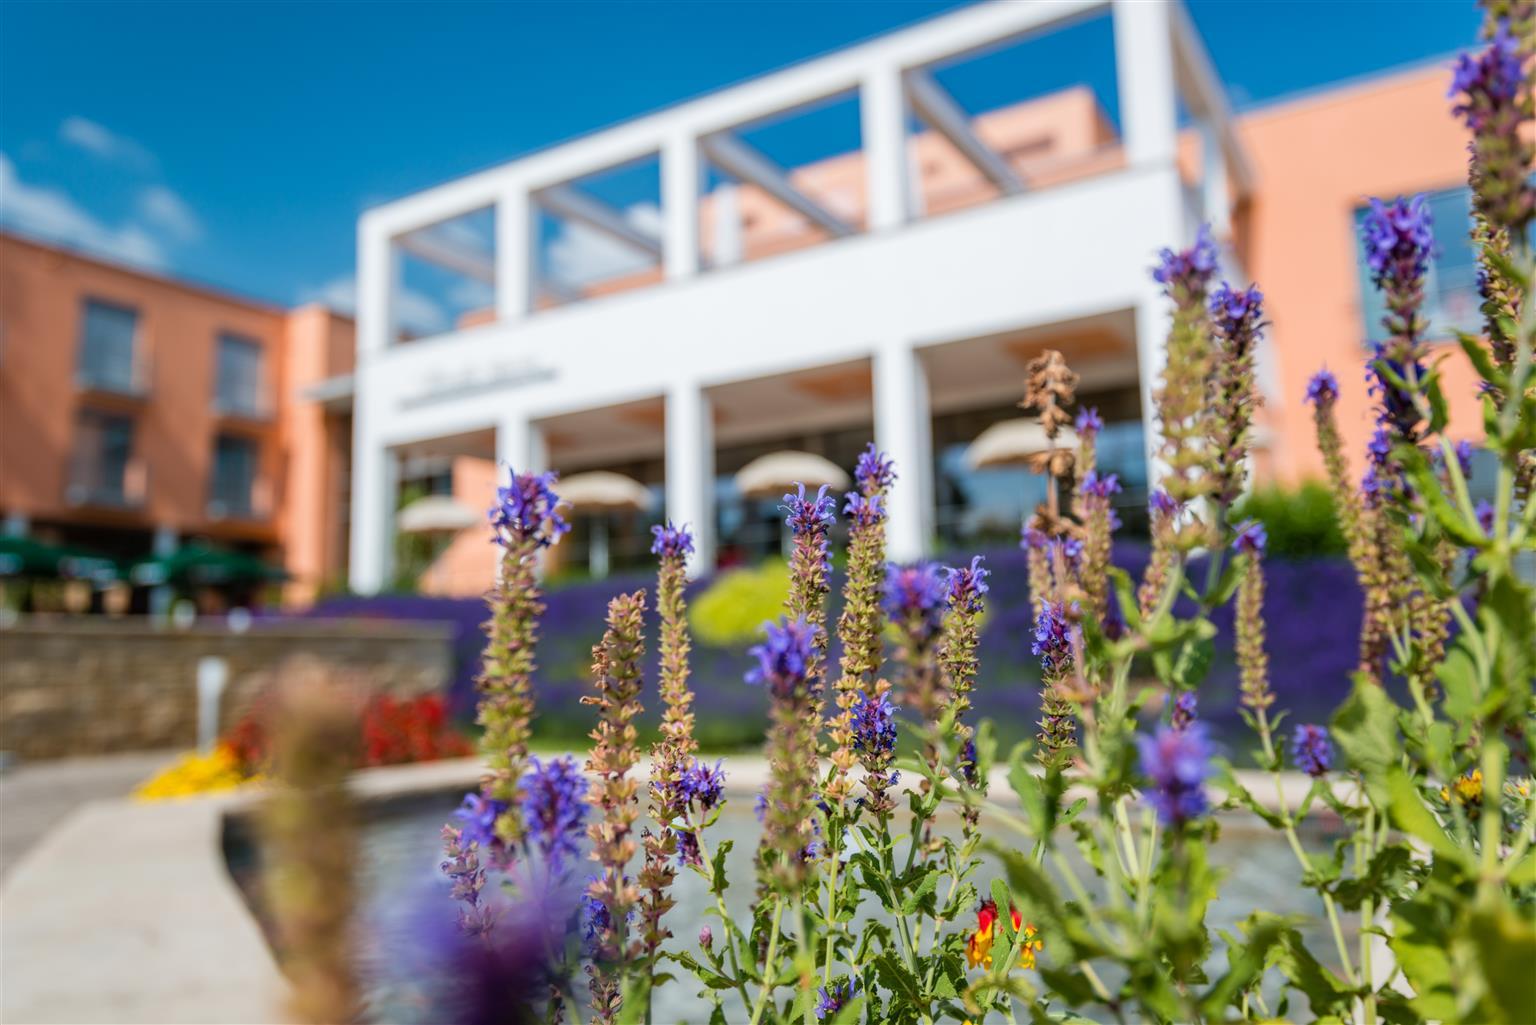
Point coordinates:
[[978, 951]]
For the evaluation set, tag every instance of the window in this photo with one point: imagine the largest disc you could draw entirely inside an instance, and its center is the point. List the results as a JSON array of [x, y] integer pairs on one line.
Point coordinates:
[[106, 347], [1450, 289], [238, 388], [234, 477], [103, 455]]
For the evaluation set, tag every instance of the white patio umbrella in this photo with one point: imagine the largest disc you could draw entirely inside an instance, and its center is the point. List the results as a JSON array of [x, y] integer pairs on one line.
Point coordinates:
[[602, 492], [1012, 442], [776, 473], [435, 514]]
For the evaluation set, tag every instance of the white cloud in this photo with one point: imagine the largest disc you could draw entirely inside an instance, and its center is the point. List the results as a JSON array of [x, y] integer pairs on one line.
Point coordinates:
[[161, 207], [418, 314], [52, 214], [100, 141], [580, 254]]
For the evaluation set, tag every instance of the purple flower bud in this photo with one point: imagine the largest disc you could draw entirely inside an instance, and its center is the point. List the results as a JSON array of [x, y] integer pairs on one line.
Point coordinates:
[[1323, 387], [1177, 763], [1251, 538], [1311, 749], [526, 510], [671, 542]]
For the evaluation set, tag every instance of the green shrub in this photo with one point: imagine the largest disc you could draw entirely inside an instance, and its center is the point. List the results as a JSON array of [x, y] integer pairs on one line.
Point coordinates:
[[733, 609], [1299, 521]]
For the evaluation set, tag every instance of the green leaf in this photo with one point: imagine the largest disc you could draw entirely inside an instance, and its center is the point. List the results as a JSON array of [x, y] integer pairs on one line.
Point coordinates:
[[1505, 942]]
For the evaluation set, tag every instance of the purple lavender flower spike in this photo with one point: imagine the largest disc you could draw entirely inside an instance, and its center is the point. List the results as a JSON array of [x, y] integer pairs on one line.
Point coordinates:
[[1398, 240], [1184, 711], [1312, 749], [1177, 763], [785, 657], [915, 596], [671, 541], [1251, 538], [967, 585], [874, 472], [874, 724], [555, 809], [1053, 636], [1489, 80], [1323, 387]]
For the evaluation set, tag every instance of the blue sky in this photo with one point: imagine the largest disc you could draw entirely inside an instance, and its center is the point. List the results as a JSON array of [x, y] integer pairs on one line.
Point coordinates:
[[236, 143]]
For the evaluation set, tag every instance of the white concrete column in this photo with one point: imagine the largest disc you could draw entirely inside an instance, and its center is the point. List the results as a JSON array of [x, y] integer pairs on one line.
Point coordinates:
[[680, 205], [514, 255], [883, 122], [375, 491], [1144, 68], [378, 278], [904, 431], [690, 468]]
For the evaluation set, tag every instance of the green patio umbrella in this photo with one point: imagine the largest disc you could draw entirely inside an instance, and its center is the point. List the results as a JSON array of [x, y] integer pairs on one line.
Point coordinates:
[[200, 564], [28, 557]]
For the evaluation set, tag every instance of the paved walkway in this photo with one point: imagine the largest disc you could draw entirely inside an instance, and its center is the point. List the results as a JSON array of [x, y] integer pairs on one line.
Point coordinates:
[[36, 796]]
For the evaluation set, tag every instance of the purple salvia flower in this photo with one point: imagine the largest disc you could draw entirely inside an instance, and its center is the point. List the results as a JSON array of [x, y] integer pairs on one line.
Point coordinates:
[[915, 597], [1323, 387], [1398, 240], [1053, 637], [874, 472], [874, 725], [479, 814], [1100, 486], [784, 658], [1177, 763], [1251, 538], [671, 542], [863, 510], [967, 585], [555, 809], [808, 515], [1191, 268], [1490, 81], [526, 510], [1184, 711], [1311, 749], [1088, 422]]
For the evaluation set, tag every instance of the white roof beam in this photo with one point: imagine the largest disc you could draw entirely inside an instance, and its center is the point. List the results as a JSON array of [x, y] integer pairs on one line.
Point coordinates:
[[565, 201], [736, 158], [432, 246], [940, 112]]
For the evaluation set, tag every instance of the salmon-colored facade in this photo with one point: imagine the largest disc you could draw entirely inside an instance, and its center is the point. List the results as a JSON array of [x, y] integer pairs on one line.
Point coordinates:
[[138, 412]]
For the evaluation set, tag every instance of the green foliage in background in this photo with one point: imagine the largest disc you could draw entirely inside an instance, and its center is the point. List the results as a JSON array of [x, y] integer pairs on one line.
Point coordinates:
[[732, 611], [1300, 521]]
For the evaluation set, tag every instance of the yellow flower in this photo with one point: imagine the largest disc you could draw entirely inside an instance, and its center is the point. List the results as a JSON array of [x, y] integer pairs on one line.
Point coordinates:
[[193, 774]]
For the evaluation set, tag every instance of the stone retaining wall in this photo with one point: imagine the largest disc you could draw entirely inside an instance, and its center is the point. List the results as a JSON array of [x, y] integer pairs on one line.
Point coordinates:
[[76, 687]]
